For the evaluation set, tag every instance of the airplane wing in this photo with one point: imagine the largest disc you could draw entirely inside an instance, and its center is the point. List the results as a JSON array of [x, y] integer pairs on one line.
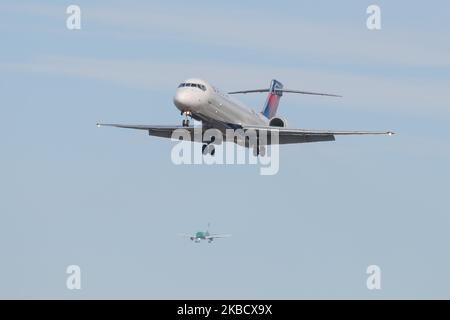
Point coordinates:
[[288, 135], [186, 235], [214, 236], [153, 130]]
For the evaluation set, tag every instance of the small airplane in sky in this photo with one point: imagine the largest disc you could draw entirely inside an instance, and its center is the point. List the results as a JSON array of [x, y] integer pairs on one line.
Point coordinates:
[[204, 235], [203, 102]]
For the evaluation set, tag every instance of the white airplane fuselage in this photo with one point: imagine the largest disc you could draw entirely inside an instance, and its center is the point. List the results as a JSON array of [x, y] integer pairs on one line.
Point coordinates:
[[208, 103]]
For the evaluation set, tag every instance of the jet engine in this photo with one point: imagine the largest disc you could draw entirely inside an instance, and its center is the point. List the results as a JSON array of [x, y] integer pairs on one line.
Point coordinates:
[[278, 122]]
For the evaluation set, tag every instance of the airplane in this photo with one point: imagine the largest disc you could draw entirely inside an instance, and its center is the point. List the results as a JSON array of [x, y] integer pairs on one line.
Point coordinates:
[[197, 99], [204, 235]]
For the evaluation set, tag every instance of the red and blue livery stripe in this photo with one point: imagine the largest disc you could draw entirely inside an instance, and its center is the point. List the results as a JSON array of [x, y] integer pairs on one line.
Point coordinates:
[[273, 99]]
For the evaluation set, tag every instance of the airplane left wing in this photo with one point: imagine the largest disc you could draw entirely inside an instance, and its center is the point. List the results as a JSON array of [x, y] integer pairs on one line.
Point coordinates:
[[288, 135]]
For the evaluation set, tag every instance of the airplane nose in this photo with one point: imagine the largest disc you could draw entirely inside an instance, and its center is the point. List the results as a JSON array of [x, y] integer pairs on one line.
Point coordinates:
[[185, 100], [182, 100]]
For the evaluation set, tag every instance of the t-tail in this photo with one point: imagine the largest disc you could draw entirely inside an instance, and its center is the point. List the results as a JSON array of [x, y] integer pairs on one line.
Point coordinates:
[[275, 93], [207, 230], [273, 99]]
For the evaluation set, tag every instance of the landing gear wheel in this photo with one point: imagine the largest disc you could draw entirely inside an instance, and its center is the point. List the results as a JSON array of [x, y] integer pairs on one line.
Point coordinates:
[[185, 123], [208, 148], [262, 151], [259, 151]]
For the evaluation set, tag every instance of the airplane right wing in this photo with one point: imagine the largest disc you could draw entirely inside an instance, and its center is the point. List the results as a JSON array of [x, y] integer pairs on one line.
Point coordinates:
[[153, 130], [214, 236]]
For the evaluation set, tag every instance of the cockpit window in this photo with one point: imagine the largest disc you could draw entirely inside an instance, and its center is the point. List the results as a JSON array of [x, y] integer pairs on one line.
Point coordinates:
[[196, 85]]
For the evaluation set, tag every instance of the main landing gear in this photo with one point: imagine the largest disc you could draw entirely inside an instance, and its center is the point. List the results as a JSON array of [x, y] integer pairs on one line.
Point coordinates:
[[208, 148], [259, 150], [187, 115]]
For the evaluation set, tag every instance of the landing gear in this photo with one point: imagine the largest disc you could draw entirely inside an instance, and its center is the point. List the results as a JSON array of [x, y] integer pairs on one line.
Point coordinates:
[[262, 151], [187, 115], [208, 148], [259, 150]]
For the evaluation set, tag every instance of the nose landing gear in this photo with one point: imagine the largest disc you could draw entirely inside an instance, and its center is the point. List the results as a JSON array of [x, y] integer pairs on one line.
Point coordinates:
[[187, 115]]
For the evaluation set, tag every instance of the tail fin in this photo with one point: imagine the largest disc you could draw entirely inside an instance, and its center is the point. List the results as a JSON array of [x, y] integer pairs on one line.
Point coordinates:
[[275, 93], [207, 230]]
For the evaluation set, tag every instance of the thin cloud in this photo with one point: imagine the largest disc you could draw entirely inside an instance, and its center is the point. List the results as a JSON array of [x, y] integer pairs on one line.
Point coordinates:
[[291, 37], [380, 93]]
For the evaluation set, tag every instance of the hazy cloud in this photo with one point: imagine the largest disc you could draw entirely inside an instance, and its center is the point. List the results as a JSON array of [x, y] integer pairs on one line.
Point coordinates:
[[377, 93], [337, 42]]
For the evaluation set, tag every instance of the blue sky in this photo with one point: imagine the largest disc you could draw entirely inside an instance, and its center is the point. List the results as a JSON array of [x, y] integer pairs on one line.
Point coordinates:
[[112, 202]]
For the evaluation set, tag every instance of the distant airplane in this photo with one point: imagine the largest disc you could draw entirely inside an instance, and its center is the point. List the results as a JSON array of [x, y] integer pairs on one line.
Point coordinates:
[[204, 235], [201, 101]]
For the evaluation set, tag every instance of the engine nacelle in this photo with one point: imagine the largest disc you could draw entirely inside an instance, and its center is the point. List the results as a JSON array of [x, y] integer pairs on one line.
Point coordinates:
[[278, 122]]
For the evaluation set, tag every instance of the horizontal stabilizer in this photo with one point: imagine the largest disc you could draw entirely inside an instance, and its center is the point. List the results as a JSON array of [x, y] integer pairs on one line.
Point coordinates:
[[287, 91]]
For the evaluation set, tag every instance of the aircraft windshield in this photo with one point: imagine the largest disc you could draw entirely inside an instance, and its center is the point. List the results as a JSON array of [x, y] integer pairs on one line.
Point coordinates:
[[195, 85]]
